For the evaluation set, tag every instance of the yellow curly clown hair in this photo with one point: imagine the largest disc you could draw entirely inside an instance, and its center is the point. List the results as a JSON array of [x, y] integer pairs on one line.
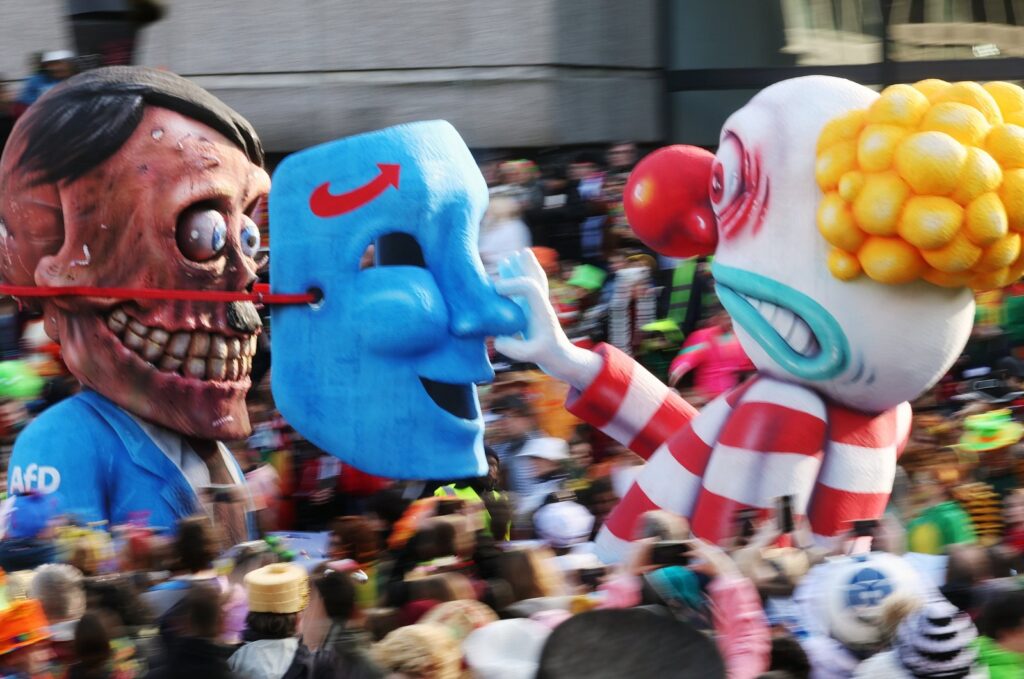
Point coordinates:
[[927, 183]]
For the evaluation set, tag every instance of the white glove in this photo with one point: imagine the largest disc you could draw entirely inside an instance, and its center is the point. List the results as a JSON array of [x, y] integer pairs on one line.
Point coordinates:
[[545, 344]]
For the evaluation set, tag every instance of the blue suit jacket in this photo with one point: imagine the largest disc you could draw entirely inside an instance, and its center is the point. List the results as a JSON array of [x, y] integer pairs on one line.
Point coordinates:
[[99, 465]]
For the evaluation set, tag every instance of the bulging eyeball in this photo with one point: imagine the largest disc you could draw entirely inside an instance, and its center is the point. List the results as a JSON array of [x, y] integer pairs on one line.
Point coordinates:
[[202, 233], [668, 204], [250, 237]]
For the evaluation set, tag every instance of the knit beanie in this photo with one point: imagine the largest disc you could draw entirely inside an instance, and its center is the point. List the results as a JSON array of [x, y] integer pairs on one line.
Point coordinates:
[[937, 642]]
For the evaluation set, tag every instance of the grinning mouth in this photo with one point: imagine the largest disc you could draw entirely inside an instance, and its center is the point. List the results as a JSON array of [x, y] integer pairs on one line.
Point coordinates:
[[791, 328], [197, 355], [457, 399], [797, 333]]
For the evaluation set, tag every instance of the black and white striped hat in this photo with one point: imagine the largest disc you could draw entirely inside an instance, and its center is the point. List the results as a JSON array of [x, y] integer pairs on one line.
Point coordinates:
[[937, 642]]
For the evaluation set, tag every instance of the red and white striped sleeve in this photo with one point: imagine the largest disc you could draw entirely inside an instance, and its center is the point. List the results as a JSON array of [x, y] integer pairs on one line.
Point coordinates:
[[671, 478], [771, 446], [629, 404], [860, 464]]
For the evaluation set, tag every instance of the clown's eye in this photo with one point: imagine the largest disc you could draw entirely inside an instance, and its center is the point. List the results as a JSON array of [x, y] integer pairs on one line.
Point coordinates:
[[250, 237], [202, 233], [727, 172]]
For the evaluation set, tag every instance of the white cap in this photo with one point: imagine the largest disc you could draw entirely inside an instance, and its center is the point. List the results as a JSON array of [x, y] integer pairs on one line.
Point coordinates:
[[57, 55], [563, 524], [506, 649], [547, 448]]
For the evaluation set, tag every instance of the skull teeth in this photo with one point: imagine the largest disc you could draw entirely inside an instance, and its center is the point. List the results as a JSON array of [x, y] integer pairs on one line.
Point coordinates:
[[197, 355]]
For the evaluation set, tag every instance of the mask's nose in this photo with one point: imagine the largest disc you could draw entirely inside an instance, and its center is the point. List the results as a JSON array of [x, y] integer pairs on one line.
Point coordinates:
[[668, 203], [482, 312]]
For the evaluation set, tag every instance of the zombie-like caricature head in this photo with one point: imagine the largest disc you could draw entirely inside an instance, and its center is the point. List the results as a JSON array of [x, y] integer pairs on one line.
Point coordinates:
[[381, 372], [135, 178]]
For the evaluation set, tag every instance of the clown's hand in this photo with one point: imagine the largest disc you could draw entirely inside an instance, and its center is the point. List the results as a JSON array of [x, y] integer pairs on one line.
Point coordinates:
[[544, 343]]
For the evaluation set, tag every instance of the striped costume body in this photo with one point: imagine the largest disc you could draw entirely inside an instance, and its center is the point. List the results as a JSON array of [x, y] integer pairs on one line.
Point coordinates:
[[761, 440]]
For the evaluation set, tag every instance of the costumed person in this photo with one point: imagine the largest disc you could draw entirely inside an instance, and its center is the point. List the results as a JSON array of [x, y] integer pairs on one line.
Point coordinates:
[[935, 642], [716, 357], [848, 232], [131, 178], [843, 603], [24, 641], [278, 595]]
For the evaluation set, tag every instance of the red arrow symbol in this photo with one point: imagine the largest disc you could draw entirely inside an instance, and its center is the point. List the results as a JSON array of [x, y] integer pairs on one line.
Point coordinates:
[[323, 203]]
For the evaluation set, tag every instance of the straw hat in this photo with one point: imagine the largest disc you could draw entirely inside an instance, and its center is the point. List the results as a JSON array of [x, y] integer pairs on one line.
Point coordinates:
[[278, 588], [23, 624]]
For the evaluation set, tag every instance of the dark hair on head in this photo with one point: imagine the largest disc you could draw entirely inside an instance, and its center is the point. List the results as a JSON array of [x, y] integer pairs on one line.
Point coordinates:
[[202, 611], [260, 626], [788, 656], [356, 537], [118, 597], [194, 545], [84, 121], [338, 593], [589, 157], [628, 643], [389, 505], [1002, 614], [92, 642]]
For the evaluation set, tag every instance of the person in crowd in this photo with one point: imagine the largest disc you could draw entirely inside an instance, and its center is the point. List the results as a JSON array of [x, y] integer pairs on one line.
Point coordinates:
[[199, 654], [715, 356], [353, 538], [545, 459], [55, 66], [610, 644], [61, 591], [788, 658], [278, 595], [935, 642], [96, 655], [24, 641], [502, 232], [332, 622], [1001, 648], [420, 651], [195, 548], [517, 425]]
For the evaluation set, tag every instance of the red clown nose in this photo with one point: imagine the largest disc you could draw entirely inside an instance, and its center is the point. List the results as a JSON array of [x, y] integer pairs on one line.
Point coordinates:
[[667, 202]]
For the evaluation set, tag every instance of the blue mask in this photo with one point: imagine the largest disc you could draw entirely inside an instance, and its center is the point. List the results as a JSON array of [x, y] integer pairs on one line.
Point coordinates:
[[382, 371]]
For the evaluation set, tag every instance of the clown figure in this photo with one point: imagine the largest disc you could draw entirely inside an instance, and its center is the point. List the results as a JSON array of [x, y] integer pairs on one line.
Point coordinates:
[[847, 229]]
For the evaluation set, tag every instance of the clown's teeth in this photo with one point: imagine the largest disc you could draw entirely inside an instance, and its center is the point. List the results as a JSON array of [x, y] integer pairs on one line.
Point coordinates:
[[119, 316], [200, 345], [178, 346], [170, 364], [159, 336], [218, 347], [789, 326], [783, 322], [138, 328], [251, 351], [234, 347], [196, 367]]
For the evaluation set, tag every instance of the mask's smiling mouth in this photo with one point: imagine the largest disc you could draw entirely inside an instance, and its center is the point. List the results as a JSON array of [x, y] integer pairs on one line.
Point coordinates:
[[457, 399], [796, 332], [192, 355]]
